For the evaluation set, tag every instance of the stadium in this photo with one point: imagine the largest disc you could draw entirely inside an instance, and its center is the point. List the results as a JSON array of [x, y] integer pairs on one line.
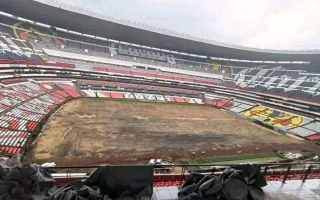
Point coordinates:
[[83, 91]]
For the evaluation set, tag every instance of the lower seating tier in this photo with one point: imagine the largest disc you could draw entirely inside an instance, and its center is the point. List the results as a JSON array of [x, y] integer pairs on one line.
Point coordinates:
[[22, 116]]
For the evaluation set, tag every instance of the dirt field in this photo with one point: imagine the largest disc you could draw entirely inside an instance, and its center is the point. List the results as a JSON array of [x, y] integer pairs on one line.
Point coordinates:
[[91, 131]]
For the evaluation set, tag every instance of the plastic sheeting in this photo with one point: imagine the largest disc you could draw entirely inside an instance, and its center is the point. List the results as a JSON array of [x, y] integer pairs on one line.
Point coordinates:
[[239, 183], [77, 191], [21, 182], [110, 183], [123, 181]]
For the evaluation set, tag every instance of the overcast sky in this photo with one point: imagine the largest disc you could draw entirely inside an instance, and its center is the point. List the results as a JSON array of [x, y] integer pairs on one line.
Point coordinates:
[[271, 24]]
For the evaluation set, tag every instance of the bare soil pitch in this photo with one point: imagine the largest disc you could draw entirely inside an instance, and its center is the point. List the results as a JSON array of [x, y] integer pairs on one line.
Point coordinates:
[[92, 131]]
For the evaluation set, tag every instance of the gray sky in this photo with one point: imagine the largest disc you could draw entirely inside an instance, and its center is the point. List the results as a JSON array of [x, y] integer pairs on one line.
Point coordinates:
[[271, 24]]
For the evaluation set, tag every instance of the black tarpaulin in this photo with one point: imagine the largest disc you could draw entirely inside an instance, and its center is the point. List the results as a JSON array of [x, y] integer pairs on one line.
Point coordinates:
[[121, 181]]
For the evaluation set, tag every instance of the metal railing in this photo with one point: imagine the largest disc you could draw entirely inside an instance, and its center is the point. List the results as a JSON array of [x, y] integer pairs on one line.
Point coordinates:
[[175, 175]]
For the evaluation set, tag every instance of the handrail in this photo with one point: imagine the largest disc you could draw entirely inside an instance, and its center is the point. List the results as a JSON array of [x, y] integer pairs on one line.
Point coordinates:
[[190, 165]]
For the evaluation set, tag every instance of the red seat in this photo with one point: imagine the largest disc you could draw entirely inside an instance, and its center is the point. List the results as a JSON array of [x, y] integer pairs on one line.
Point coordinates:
[[105, 94], [315, 137], [180, 99], [116, 95]]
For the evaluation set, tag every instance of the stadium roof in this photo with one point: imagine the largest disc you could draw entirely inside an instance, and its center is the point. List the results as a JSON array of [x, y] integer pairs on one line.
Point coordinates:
[[75, 19]]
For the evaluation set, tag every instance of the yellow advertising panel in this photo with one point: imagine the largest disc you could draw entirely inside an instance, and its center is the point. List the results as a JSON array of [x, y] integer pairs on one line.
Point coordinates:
[[273, 117]]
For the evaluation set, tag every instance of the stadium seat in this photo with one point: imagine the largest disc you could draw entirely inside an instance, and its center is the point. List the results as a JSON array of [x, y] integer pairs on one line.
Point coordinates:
[[180, 100], [315, 137], [117, 95]]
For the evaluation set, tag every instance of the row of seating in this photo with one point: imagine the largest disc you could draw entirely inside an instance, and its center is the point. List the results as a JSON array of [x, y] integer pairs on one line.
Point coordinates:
[[69, 89], [15, 94], [157, 75], [115, 50], [22, 114], [293, 83], [85, 84], [12, 142], [13, 138], [240, 106], [12, 43], [16, 49], [43, 70], [218, 101], [31, 102], [309, 131], [175, 75], [141, 96], [97, 47], [143, 53], [13, 123]]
